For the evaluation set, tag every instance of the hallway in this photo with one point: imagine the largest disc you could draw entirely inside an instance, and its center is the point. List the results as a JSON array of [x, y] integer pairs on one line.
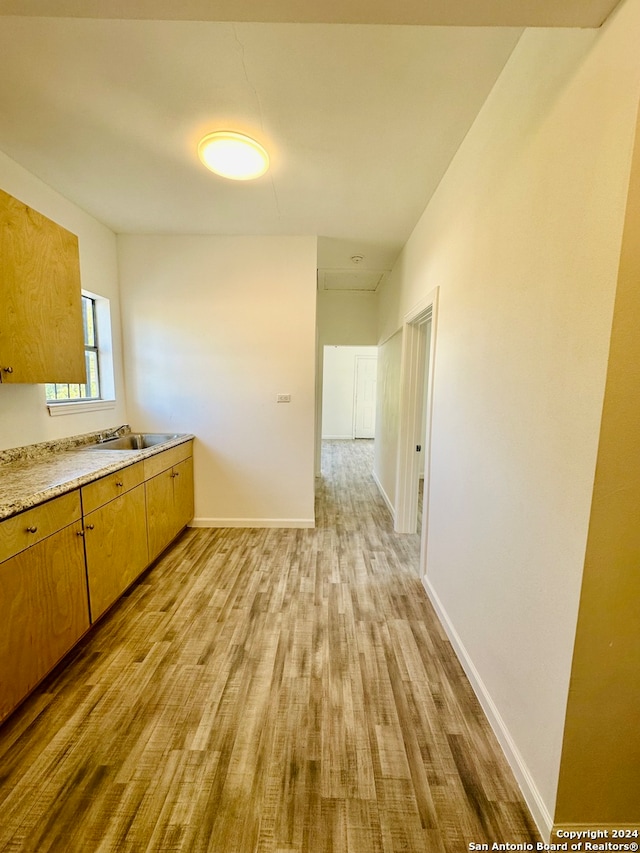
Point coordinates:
[[265, 690]]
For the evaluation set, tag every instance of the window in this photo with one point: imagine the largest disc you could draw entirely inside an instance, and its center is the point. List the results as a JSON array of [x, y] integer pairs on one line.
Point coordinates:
[[90, 390], [98, 392]]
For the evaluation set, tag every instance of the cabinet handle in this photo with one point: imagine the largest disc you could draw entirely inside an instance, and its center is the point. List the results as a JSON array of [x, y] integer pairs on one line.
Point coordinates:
[[176, 474], [119, 484], [79, 532], [7, 369], [89, 527], [32, 529]]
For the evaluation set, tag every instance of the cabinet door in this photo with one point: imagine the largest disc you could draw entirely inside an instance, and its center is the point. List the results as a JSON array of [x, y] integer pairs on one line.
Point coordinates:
[[183, 493], [116, 548], [41, 337], [160, 515], [43, 601]]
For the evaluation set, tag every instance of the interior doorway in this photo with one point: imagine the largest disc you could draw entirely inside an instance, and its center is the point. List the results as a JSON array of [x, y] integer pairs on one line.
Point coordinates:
[[349, 392], [414, 443], [421, 440]]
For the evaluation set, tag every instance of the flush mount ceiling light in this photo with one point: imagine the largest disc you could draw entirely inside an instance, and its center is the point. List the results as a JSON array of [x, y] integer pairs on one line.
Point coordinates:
[[233, 155]]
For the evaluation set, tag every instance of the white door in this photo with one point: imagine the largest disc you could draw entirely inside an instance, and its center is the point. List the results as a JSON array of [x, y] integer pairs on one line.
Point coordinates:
[[365, 397]]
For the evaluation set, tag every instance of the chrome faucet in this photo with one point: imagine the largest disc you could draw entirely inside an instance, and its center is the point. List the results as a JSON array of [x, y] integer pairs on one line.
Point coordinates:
[[113, 433]]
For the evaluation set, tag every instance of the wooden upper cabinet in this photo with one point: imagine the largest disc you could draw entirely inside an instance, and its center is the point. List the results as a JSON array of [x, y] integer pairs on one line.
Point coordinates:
[[41, 337]]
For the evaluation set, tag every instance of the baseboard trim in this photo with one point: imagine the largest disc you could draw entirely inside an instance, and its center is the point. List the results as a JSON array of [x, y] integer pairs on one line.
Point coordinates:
[[252, 522], [385, 497], [536, 805]]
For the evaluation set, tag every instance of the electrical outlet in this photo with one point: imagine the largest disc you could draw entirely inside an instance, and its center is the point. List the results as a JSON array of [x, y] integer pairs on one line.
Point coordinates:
[[283, 398]]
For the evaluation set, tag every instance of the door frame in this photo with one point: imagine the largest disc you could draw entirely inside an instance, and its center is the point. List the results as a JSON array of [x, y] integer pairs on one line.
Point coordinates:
[[412, 378]]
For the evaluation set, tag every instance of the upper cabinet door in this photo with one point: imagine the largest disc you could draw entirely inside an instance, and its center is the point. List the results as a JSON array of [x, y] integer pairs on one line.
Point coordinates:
[[41, 337]]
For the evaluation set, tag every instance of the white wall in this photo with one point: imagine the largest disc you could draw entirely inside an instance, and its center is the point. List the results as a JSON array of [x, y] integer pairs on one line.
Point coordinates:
[[24, 417], [347, 318], [214, 329], [522, 238], [338, 389]]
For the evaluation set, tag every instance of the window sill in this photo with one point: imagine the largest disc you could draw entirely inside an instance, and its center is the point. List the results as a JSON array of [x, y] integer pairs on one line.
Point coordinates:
[[81, 406]]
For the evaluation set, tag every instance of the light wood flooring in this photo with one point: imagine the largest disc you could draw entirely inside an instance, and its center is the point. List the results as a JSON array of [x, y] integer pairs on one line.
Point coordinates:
[[264, 691]]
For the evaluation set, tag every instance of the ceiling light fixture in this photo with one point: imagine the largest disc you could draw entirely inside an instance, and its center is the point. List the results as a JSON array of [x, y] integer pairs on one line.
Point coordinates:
[[233, 155]]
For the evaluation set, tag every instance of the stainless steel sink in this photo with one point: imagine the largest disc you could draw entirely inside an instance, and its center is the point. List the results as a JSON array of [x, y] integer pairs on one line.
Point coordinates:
[[134, 441]]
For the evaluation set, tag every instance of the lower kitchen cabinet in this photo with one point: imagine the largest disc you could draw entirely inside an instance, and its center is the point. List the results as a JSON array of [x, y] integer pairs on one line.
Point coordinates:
[[116, 548], [63, 563], [43, 601], [183, 492], [169, 504]]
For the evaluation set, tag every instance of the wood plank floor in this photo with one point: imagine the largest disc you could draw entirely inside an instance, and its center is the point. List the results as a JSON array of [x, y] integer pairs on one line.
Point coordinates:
[[262, 691]]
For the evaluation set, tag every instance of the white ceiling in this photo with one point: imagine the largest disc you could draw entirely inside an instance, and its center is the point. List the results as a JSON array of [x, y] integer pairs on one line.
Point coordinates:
[[360, 121]]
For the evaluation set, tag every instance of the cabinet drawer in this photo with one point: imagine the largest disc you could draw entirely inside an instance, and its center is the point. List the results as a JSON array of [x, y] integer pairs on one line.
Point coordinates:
[[108, 488], [33, 525], [161, 461]]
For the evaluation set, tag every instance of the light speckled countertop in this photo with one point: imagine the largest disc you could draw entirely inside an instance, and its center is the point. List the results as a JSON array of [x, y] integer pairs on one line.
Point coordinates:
[[33, 478]]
